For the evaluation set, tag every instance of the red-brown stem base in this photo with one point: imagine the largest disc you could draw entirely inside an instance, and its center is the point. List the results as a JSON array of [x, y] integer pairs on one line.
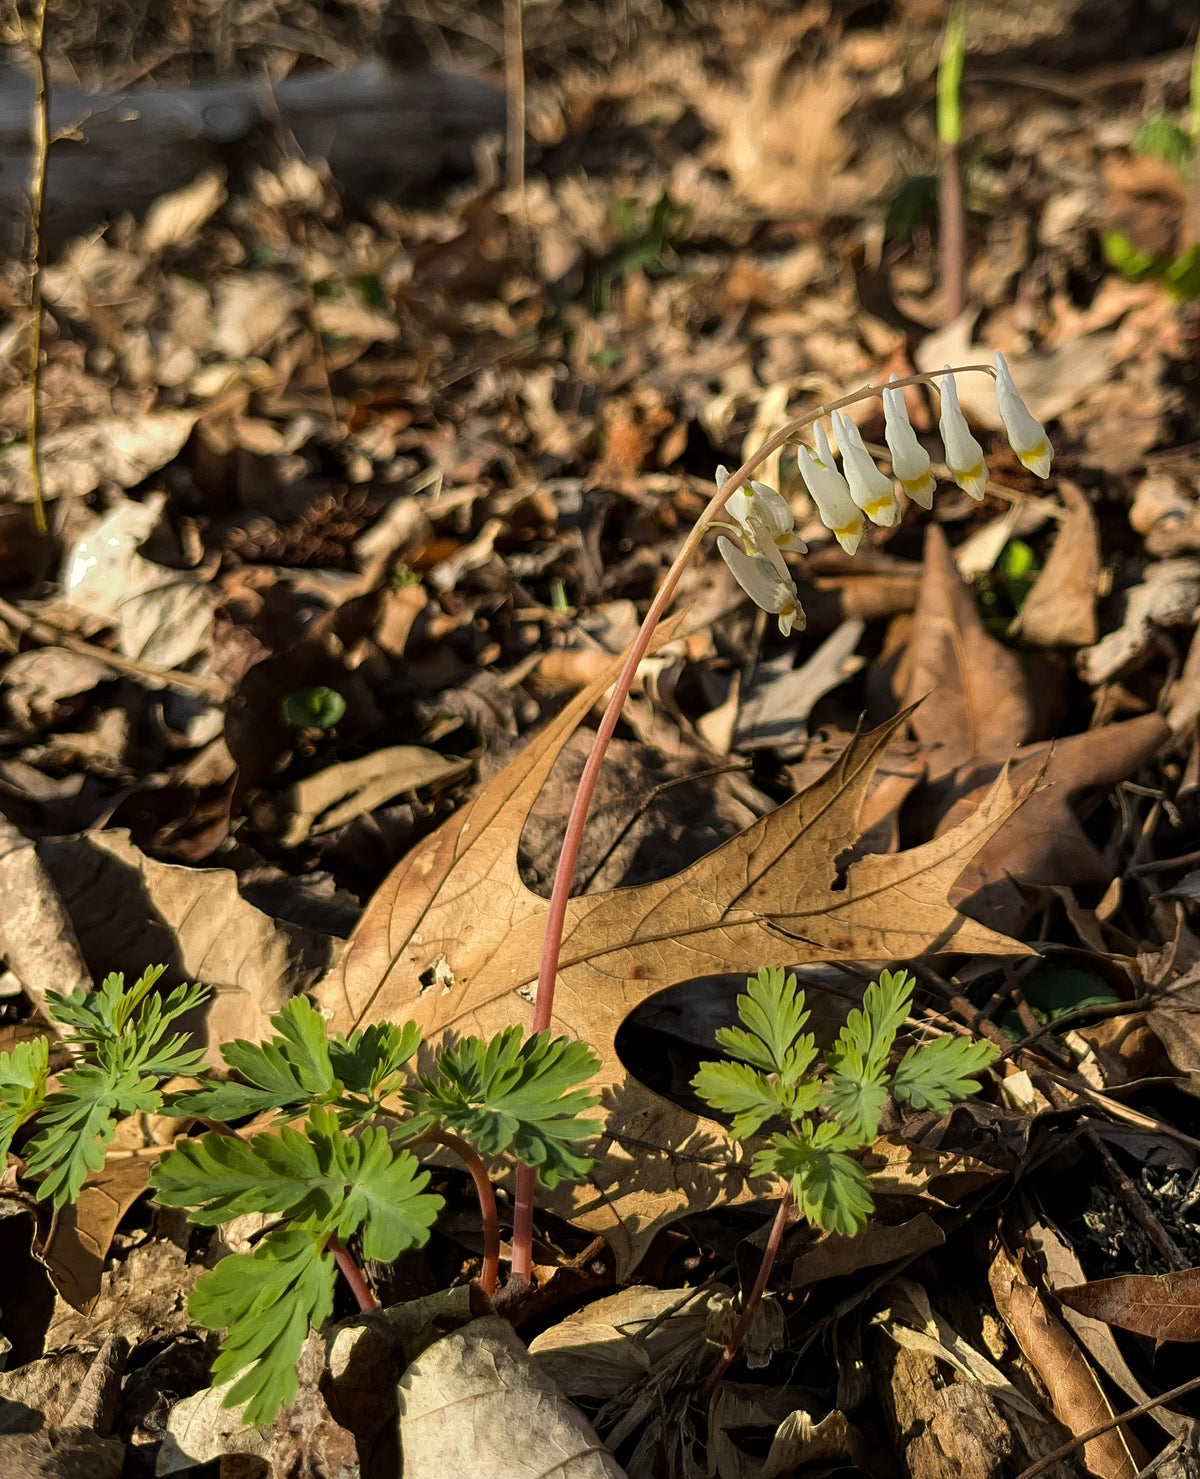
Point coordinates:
[[354, 1276], [731, 1352]]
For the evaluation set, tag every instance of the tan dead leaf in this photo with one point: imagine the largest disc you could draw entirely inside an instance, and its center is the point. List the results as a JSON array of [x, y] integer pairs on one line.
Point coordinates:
[[131, 911], [974, 704], [81, 1233], [1043, 842], [1078, 1401], [475, 1403], [832, 1255], [1061, 607], [598, 1351], [1167, 596], [76, 460], [332, 797], [249, 312], [174, 217], [770, 896], [779, 135], [36, 934]]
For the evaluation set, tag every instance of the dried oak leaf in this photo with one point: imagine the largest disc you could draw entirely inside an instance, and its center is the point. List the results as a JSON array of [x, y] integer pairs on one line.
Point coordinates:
[[1164, 1306], [770, 896]]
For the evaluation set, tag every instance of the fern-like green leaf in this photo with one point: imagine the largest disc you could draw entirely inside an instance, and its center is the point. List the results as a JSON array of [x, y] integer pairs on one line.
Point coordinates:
[[370, 1057], [22, 1087], [77, 1125], [288, 1072], [267, 1301], [934, 1075], [857, 1088], [324, 1176], [830, 1188], [513, 1094], [772, 1012], [752, 1097]]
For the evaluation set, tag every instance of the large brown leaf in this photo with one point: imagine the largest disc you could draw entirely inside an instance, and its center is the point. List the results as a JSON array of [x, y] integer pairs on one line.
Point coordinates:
[[771, 896], [1164, 1306]]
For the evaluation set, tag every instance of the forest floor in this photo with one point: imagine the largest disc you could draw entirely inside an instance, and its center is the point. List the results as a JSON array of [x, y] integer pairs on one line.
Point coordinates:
[[348, 497]]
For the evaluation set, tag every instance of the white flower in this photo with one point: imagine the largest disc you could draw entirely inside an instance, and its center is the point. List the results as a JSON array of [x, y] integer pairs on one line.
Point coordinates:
[[767, 585], [870, 489], [830, 492], [1026, 436], [964, 455], [763, 517], [910, 461]]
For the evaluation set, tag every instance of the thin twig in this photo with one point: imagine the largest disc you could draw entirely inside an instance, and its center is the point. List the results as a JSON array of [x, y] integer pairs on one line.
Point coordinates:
[[556, 914], [48, 635], [1065, 1450], [40, 139]]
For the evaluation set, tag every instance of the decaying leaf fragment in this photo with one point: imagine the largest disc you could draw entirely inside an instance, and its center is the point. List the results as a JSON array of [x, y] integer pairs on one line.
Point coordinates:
[[770, 896]]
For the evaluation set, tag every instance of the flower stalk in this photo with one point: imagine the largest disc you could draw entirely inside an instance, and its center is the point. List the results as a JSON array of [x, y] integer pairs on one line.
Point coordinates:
[[819, 473]]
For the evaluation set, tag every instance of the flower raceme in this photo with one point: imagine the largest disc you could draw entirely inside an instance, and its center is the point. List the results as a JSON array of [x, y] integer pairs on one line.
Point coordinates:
[[763, 520]]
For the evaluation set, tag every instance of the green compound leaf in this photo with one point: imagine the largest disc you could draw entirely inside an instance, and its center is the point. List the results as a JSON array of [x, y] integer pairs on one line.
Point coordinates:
[[934, 1075], [267, 1300], [326, 1176], [830, 1188], [78, 1123], [371, 1056], [772, 1011], [22, 1086], [288, 1072], [751, 1097], [857, 1088], [513, 1094]]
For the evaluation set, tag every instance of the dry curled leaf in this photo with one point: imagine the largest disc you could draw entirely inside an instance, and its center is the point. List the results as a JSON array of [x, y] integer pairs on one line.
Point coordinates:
[[771, 896]]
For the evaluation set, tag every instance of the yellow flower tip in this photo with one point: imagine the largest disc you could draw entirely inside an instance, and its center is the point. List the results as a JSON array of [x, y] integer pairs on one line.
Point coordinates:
[[849, 536], [921, 489], [883, 511], [1038, 459]]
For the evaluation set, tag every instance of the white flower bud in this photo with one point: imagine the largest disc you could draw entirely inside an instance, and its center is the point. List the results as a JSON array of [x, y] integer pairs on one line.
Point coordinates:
[[964, 455], [764, 583], [1026, 436], [910, 461], [764, 519], [870, 489], [830, 492]]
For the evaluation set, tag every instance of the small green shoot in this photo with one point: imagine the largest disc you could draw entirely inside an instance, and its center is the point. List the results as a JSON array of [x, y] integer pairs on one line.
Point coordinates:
[[949, 80], [313, 708]]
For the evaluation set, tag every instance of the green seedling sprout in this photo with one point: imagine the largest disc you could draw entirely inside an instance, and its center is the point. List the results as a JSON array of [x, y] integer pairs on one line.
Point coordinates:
[[952, 218]]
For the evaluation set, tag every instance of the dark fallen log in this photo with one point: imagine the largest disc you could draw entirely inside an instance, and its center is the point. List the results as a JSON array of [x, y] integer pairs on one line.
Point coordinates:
[[381, 130]]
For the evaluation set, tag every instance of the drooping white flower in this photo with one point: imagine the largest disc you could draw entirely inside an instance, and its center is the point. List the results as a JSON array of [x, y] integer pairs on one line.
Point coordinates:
[[870, 489], [764, 518], [910, 461], [1026, 435], [964, 455], [768, 585], [830, 492]]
